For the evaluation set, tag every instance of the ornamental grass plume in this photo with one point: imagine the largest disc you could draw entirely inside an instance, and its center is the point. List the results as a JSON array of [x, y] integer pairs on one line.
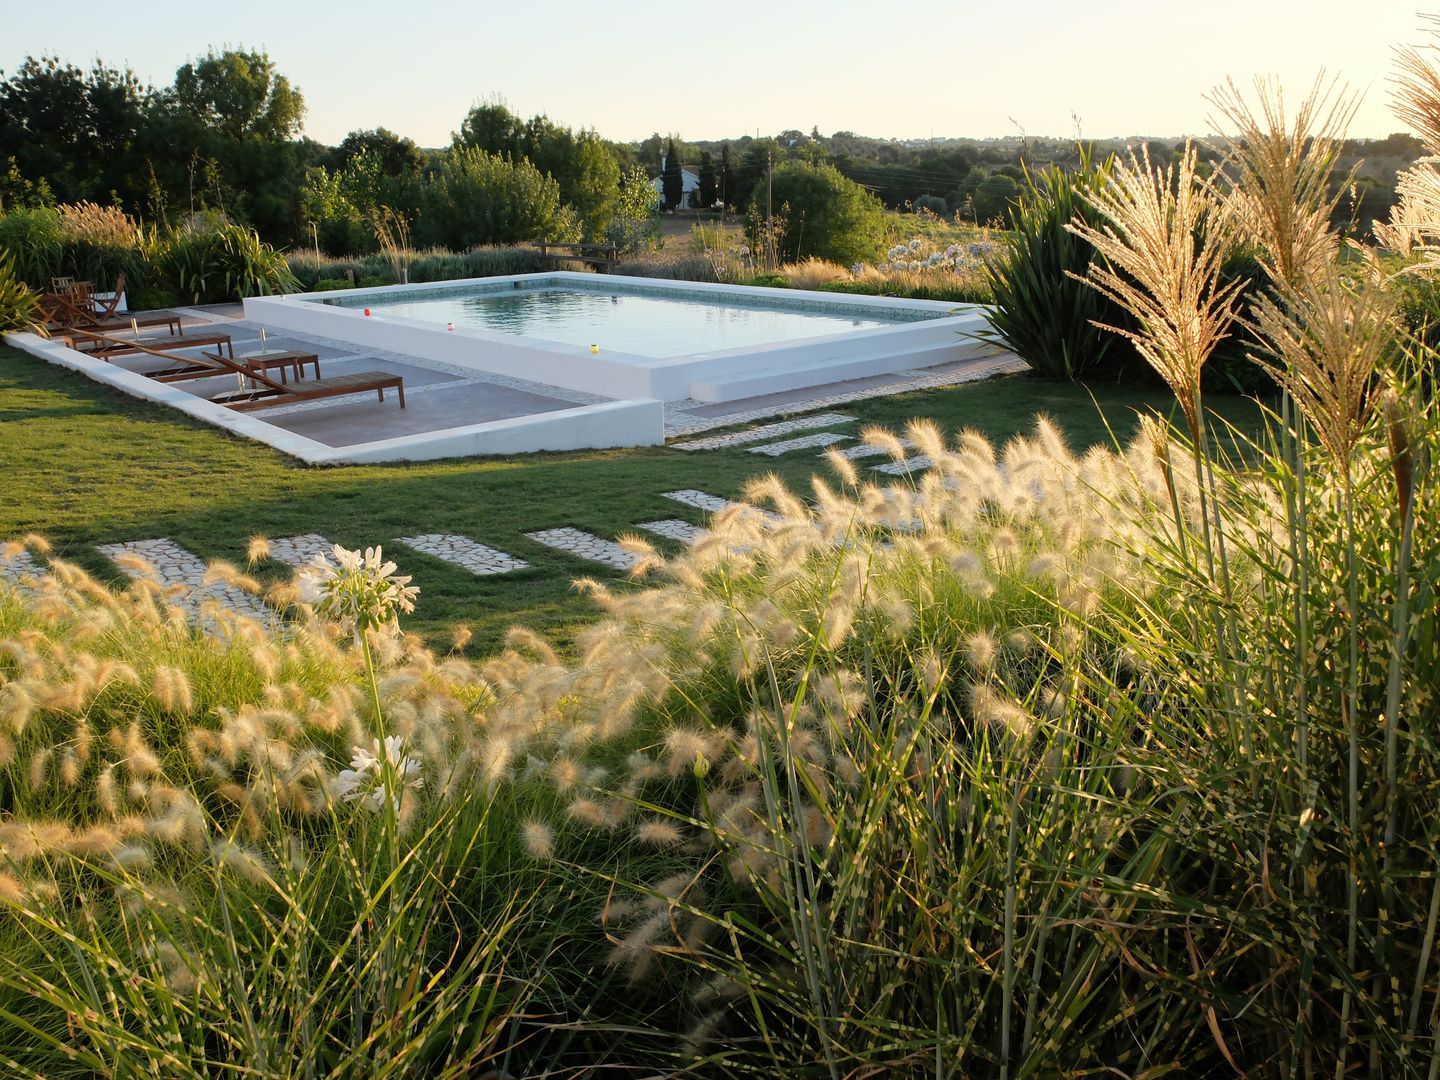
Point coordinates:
[[1157, 266], [1282, 189], [1326, 339]]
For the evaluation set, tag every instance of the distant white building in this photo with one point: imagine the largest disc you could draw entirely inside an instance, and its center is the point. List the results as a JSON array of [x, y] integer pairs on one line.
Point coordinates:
[[689, 188]]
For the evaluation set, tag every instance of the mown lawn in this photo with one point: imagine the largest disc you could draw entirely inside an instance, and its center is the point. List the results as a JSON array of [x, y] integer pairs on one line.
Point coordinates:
[[84, 465]]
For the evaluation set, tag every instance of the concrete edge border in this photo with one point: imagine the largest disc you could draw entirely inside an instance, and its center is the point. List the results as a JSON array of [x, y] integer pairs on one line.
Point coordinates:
[[630, 422]]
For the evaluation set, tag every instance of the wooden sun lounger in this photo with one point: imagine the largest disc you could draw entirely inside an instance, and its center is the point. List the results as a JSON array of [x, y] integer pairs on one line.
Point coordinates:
[[107, 345], [206, 366], [181, 367], [59, 313], [266, 392]]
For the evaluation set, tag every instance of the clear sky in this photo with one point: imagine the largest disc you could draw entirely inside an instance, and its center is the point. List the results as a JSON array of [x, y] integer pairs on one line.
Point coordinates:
[[709, 71]]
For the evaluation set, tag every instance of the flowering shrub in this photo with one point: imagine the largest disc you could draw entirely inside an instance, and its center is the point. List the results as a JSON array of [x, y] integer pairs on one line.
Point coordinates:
[[919, 256]]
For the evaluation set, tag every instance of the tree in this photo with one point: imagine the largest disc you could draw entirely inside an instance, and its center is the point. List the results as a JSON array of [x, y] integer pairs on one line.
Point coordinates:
[[707, 180], [672, 181], [240, 95], [994, 198], [492, 127], [580, 162], [824, 214], [635, 225], [726, 180], [396, 154], [75, 131], [752, 169], [474, 197]]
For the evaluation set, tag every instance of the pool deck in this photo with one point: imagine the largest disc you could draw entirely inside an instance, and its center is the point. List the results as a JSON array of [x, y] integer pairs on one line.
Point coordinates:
[[446, 403], [681, 418]]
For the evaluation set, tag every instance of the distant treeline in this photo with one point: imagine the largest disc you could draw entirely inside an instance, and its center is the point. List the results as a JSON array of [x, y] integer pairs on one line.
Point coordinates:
[[224, 137]]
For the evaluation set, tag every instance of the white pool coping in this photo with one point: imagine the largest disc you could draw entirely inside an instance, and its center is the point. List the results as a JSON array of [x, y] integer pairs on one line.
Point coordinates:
[[713, 377], [618, 423]]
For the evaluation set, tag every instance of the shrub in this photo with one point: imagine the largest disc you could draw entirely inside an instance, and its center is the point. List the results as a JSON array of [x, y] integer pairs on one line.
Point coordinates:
[[228, 262], [429, 264], [371, 281], [930, 204], [150, 299], [35, 243], [332, 284], [1043, 311], [825, 215], [18, 302], [770, 281], [993, 201], [693, 268], [473, 198], [949, 287]]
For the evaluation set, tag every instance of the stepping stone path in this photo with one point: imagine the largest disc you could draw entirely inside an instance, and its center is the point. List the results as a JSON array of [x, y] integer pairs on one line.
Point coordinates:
[[584, 546], [804, 442], [760, 434], [173, 565], [865, 450], [20, 566], [919, 463], [465, 553], [300, 551], [713, 504], [675, 529]]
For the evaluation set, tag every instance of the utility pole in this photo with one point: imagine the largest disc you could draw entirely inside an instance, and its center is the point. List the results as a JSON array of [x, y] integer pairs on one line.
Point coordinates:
[[770, 211]]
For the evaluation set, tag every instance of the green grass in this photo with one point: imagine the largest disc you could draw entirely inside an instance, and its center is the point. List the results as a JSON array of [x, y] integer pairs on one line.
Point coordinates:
[[85, 465]]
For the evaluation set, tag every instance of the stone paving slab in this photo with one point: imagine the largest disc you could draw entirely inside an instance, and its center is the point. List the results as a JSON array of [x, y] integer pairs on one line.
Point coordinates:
[[804, 442], [675, 529], [20, 566], [919, 463], [713, 504], [865, 450], [464, 553], [174, 565], [300, 551], [768, 431], [585, 546]]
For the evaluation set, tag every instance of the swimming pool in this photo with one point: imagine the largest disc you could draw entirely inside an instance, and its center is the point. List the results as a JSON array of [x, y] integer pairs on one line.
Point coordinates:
[[626, 320], [630, 338]]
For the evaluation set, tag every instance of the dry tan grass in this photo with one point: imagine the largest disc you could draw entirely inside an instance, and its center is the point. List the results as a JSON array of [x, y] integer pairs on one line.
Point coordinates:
[[813, 272]]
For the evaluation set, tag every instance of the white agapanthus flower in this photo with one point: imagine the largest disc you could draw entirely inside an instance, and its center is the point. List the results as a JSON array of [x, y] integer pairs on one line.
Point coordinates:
[[364, 781], [357, 590]]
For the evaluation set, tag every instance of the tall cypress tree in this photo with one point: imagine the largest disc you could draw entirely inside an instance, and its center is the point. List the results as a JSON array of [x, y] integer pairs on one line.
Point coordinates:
[[707, 180], [672, 184], [725, 191]]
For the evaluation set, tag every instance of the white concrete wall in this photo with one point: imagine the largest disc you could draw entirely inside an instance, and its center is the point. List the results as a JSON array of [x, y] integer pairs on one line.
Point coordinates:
[[634, 422]]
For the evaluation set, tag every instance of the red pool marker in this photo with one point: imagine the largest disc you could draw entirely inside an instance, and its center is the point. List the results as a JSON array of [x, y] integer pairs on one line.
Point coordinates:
[[367, 311], [449, 326]]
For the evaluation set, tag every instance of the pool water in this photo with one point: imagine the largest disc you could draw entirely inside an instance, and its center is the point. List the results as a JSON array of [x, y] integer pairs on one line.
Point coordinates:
[[649, 326]]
